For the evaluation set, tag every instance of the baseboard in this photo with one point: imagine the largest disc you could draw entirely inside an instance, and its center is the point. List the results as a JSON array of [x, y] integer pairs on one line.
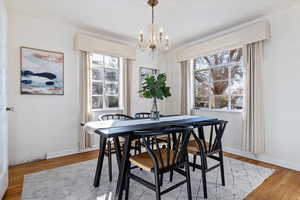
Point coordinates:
[[70, 152], [264, 158], [3, 187]]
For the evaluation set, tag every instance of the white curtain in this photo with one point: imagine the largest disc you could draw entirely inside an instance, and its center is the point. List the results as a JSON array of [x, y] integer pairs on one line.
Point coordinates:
[[185, 88], [254, 132], [127, 71], [85, 138]]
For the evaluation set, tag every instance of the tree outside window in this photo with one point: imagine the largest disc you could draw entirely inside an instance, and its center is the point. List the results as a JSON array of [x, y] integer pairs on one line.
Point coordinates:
[[219, 81], [105, 80]]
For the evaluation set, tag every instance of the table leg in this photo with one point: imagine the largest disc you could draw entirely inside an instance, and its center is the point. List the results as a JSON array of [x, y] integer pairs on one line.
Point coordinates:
[[100, 160], [123, 169], [201, 136], [118, 151]]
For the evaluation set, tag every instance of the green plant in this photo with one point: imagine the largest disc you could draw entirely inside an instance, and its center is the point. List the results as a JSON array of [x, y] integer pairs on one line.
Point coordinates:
[[155, 87]]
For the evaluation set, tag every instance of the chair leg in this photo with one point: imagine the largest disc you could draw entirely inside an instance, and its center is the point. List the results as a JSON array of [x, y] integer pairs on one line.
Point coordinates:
[[203, 170], [109, 161], [152, 143], [140, 147], [188, 180], [157, 185], [171, 176], [194, 161], [135, 150], [161, 179], [204, 183], [222, 167], [127, 182]]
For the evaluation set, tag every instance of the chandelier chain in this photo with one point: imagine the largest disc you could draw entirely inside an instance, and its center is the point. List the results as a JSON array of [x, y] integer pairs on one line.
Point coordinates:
[[152, 14]]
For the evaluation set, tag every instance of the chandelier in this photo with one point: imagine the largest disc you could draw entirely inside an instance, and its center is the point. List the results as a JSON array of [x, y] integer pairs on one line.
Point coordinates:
[[158, 41]]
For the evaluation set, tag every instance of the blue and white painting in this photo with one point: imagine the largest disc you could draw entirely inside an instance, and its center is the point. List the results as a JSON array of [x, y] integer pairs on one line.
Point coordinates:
[[42, 72]]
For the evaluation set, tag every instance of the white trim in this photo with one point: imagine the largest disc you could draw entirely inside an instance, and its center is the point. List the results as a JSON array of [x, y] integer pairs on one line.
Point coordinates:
[[4, 186], [108, 110], [215, 110], [191, 86], [70, 152], [264, 158], [210, 83], [96, 45], [120, 70]]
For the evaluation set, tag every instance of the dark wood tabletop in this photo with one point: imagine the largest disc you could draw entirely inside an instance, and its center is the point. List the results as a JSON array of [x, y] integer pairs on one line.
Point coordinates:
[[143, 124]]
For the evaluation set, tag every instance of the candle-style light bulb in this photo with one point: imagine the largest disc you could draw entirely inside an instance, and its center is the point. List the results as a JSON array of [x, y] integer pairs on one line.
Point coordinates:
[[141, 36], [161, 33], [167, 42]]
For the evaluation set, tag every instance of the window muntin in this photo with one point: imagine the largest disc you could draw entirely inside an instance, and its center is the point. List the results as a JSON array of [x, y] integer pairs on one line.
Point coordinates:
[[219, 81], [105, 82]]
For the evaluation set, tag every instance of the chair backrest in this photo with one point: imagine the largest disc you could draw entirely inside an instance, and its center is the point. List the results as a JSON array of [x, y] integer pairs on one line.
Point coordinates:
[[217, 129], [165, 157], [114, 116], [142, 115], [145, 115]]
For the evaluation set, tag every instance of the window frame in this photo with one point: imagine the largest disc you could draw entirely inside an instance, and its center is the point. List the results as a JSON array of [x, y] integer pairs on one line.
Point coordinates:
[[120, 85], [210, 82]]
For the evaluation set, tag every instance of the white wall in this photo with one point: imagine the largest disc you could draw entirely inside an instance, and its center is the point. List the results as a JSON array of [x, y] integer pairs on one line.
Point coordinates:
[[41, 124], [281, 80], [50, 124], [140, 104]]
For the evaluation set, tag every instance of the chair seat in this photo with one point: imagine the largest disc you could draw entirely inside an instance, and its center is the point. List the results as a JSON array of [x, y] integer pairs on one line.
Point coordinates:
[[163, 138], [122, 142], [193, 147], [144, 161]]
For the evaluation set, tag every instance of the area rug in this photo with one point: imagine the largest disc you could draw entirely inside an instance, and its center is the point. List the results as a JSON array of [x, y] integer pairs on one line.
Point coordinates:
[[75, 182]]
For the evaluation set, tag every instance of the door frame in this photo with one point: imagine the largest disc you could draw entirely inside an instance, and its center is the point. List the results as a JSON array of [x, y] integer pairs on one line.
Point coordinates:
[[3, 135], [3, 96]]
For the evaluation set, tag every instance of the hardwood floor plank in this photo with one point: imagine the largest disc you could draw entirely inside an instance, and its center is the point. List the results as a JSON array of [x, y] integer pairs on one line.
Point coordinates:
[[284, 184]]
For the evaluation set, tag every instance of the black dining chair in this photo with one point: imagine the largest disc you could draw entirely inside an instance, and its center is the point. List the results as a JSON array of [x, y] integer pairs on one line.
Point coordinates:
[[161, 159], [110, 147], [114, 116], [142, 115], [207, 149]]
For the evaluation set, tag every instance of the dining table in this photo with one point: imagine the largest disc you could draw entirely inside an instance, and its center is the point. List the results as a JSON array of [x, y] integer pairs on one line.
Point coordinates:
[[125, 129]]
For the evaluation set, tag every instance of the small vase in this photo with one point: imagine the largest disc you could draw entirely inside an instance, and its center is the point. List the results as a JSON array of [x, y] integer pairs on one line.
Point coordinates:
[[154, 111]]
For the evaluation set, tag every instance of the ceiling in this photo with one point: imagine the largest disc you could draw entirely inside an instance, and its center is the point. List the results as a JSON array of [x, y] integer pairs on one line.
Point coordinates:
[[184, 20]]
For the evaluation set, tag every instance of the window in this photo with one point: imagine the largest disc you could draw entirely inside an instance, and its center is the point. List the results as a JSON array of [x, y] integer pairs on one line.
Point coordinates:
[[218, 81], [105, 80]]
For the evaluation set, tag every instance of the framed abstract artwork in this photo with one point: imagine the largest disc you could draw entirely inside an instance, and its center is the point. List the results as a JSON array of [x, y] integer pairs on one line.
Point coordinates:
[[144, 72], [42, 72]]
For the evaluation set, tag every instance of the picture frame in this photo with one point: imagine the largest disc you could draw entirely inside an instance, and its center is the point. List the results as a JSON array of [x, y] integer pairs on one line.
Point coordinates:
[[144, 72], [41, 72]]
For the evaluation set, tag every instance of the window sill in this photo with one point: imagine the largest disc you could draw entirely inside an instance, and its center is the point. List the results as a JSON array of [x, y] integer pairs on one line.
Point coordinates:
[[224, 111], [108, 110]]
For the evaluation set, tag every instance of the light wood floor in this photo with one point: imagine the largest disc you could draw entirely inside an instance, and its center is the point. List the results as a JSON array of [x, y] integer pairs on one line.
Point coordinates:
[[284, 184]]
